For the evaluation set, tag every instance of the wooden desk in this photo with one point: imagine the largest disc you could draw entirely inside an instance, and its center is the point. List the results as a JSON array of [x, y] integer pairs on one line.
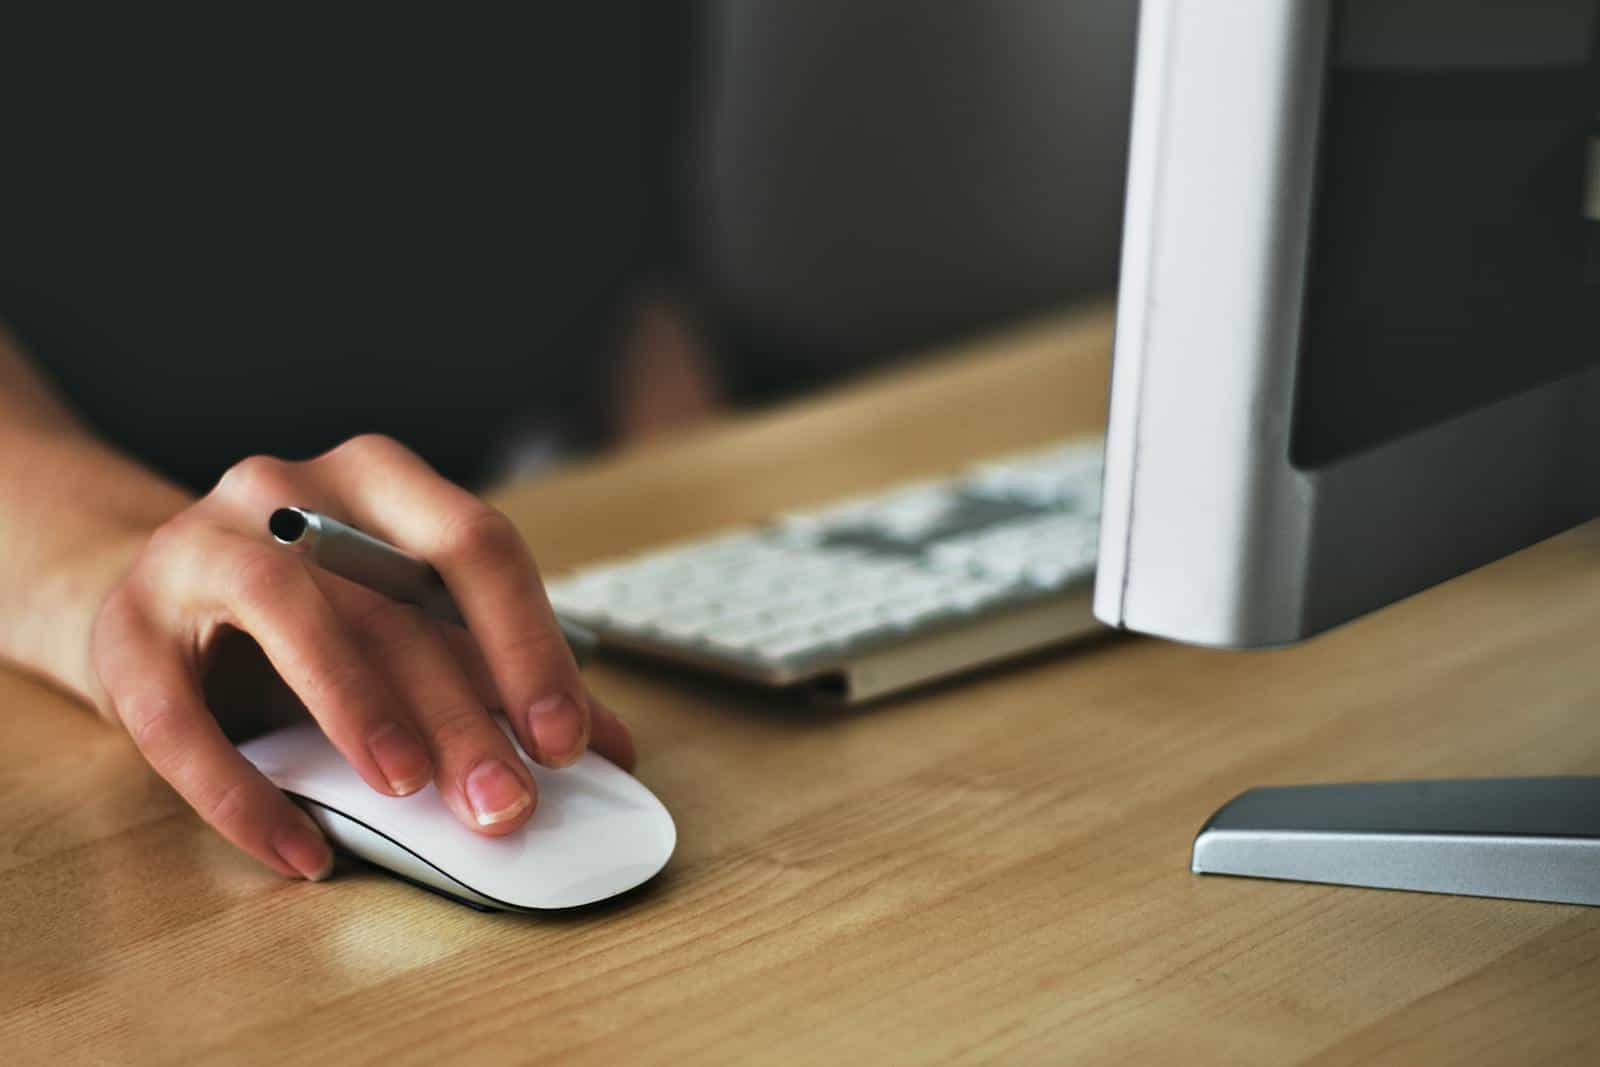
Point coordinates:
[[995, 871]]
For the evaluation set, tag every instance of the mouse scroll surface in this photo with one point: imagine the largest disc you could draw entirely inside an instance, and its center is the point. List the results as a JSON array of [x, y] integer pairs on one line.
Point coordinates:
[[596, 831]]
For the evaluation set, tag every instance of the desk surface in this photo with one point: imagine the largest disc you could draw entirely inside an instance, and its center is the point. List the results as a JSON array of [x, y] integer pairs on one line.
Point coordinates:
[[993, 871]]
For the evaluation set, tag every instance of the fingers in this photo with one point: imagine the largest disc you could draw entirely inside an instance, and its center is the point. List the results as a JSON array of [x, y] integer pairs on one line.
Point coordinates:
[[270, 595], [466, 651], [610, 736], [492, 577], [157, 696], [479, 774]]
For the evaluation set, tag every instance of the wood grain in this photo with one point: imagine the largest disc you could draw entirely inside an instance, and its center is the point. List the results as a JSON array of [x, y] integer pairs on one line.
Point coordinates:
[[994, 871]]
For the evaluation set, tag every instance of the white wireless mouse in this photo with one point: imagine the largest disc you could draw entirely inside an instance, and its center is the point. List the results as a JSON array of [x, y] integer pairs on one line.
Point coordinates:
[[596, 831]]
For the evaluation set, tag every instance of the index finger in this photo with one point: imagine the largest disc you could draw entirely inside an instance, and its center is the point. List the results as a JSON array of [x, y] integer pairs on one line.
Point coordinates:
[[159, 701], [394, 494]]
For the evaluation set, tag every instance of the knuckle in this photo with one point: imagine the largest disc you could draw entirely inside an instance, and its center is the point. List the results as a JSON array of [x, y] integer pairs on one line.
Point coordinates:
[[543, 647], [169, 552], [365, 447], [481, 534], [459, 728], [395, 628], [231, 809], [116, 617], [336, 685], [169, 539], [264, 575], [109, 634], [254, 479], [152, 720]]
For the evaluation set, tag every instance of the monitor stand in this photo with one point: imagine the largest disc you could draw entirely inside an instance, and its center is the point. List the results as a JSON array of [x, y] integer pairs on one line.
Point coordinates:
[[1518, 838]]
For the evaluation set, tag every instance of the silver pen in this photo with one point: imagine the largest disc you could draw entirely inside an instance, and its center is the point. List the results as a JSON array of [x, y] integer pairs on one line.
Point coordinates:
[[378, 565]]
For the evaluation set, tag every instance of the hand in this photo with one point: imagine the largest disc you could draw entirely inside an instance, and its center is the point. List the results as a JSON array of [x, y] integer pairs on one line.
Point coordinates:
[[403, 697]]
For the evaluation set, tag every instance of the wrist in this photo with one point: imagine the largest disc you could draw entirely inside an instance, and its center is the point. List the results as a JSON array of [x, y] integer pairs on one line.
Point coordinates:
[[73, 516], [59, 609]]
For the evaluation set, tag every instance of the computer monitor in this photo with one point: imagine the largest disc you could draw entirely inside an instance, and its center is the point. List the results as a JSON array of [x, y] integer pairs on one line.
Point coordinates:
[[1358, 338], [1357, 353]]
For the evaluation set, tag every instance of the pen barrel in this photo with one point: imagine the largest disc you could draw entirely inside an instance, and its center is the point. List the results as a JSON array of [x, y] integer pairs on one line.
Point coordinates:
[[365, 560], [378, 565]]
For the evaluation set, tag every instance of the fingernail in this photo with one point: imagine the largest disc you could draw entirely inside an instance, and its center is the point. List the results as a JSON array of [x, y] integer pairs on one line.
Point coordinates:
[[301, 845], [557, 728], [401, 758], [495, 793]]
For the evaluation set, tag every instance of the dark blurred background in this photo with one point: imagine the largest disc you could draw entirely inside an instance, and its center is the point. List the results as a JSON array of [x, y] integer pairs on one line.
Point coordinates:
[[507, 241], [870, 178]]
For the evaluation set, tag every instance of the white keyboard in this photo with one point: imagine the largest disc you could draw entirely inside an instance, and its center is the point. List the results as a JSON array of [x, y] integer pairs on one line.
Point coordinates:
[[872, 594]]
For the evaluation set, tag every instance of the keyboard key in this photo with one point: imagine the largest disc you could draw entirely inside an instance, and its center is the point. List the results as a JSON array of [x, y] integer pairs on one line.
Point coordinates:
[[791, 643], [740, 635], [1048, 575], [824, 581], [693, 622], [848, 625], [633, 616], [956, 555], [908, 611], [970, 596]]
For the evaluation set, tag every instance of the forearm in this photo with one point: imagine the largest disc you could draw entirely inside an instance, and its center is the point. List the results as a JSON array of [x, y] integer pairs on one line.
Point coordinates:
[[73, 514]]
